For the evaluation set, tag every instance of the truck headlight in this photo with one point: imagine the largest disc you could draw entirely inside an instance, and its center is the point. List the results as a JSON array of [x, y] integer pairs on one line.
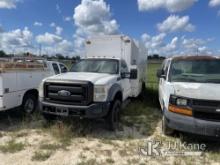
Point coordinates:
[[41, 89], [100, 93]]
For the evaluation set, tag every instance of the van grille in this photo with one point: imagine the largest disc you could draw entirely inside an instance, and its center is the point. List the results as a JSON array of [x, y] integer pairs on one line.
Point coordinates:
[[79, 93], [206, 110]]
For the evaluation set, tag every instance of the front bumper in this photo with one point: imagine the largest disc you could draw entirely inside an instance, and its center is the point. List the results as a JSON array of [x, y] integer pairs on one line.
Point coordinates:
[[95, 110], [192, 125]]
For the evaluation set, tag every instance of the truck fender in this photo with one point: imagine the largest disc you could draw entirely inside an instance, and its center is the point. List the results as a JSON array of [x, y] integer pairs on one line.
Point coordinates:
[[113, 91]]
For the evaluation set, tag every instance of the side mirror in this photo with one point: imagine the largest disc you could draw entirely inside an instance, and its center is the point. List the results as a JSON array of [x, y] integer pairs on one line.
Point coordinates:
[[161, 74], [125, 75], [133, 74]]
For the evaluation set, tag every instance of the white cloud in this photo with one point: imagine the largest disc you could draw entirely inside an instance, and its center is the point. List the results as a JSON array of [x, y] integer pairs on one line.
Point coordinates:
[[38, 24], [58, 8], [194, 46], [48, 39], [170, 5], [214, 3], [52, 24], [68, 19], [16, 39], [176, 46], [59, 30], [175, 23], [154, 43], [8, 4], [93, 18], [172, 45]]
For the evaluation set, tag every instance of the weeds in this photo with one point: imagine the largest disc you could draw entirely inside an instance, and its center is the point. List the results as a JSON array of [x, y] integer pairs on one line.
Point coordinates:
[[41, 155], [12, 147], [88, 162]]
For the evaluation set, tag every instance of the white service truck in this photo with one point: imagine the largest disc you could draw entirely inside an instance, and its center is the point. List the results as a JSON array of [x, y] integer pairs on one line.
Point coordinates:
[[97, 86], [20, 79]]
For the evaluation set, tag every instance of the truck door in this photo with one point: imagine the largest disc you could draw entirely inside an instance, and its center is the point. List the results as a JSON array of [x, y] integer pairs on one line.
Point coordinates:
[[125, 82], [56, 68]]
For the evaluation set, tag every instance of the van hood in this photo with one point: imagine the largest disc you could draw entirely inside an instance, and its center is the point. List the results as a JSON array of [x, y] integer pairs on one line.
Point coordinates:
[[204, 91], [95, 78]]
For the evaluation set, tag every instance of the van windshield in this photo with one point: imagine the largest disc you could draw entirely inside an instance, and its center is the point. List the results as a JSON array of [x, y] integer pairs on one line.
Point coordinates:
[[201, 71], [109, 66]]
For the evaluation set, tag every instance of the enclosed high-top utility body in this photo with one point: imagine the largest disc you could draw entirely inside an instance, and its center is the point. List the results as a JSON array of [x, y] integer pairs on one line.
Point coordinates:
[[112, 71], [20, 79]]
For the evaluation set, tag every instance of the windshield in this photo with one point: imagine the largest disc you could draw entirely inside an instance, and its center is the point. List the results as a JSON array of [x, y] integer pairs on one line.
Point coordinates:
[[202, 71], [108, 66]]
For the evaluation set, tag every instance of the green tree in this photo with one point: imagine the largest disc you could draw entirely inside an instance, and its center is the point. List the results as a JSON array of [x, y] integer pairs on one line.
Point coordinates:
[[2, 54]]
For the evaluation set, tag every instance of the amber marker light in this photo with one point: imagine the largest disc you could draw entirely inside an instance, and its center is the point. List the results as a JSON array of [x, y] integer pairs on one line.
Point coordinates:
[[183, 111]]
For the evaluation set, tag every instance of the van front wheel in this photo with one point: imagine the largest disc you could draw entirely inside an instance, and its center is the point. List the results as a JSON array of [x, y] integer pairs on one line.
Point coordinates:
[[165, 128]]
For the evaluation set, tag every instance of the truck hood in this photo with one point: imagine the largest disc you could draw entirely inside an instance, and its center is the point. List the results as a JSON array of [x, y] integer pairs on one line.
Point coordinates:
[[204, 91], [95, 78]]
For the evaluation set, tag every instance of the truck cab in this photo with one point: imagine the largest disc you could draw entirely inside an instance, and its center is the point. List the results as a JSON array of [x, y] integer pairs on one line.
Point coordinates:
[[189, 95], [97, 85]]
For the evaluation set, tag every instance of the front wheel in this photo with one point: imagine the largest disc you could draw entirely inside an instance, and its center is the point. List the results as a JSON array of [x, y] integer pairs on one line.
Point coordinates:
[[113, 117], [166, 130], [29, 104]]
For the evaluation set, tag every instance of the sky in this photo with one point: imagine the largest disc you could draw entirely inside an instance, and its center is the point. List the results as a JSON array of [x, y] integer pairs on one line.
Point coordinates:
[[166, 27]]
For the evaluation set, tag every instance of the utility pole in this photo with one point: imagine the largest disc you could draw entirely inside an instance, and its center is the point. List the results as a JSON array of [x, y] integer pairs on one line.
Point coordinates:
[[40, 49]]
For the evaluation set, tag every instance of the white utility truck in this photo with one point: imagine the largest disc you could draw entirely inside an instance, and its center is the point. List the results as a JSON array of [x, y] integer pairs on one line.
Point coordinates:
[[20, 79], [97, 86]]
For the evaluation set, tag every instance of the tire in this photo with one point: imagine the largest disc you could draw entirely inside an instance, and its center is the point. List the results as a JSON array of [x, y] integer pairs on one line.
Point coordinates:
[[142, 94], [165, 128], [29, 103], [113, 118]]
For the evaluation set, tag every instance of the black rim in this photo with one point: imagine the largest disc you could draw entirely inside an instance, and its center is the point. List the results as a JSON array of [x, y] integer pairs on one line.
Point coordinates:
[[29, 105]]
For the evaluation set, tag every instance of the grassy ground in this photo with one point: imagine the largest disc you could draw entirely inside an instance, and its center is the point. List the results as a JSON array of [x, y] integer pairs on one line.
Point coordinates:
[[31, 140]]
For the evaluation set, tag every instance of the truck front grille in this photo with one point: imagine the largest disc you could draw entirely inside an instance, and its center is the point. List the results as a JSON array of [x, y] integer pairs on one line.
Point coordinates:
[[79, 93]]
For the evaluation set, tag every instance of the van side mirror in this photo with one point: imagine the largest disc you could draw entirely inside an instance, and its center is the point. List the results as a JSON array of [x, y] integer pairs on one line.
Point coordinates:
[[133, 74], [161, 74]]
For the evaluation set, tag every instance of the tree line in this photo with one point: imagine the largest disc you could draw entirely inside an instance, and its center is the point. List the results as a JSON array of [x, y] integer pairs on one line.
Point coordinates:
[[56, 56]]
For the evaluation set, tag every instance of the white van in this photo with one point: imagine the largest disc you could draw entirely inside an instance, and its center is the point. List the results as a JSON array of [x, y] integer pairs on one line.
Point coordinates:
[[189, 94], [97, 86]]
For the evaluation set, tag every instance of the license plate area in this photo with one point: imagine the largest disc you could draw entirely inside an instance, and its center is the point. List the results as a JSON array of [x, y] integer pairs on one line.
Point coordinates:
[[62, 111]]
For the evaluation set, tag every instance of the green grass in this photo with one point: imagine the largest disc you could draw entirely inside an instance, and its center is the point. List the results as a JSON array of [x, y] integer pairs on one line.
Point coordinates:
[[41, 155], [50, 146], [12, 147], [88, 162], [152, 80]]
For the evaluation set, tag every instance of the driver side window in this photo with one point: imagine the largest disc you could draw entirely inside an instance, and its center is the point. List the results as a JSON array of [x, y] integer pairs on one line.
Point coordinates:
[[124, 67]]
